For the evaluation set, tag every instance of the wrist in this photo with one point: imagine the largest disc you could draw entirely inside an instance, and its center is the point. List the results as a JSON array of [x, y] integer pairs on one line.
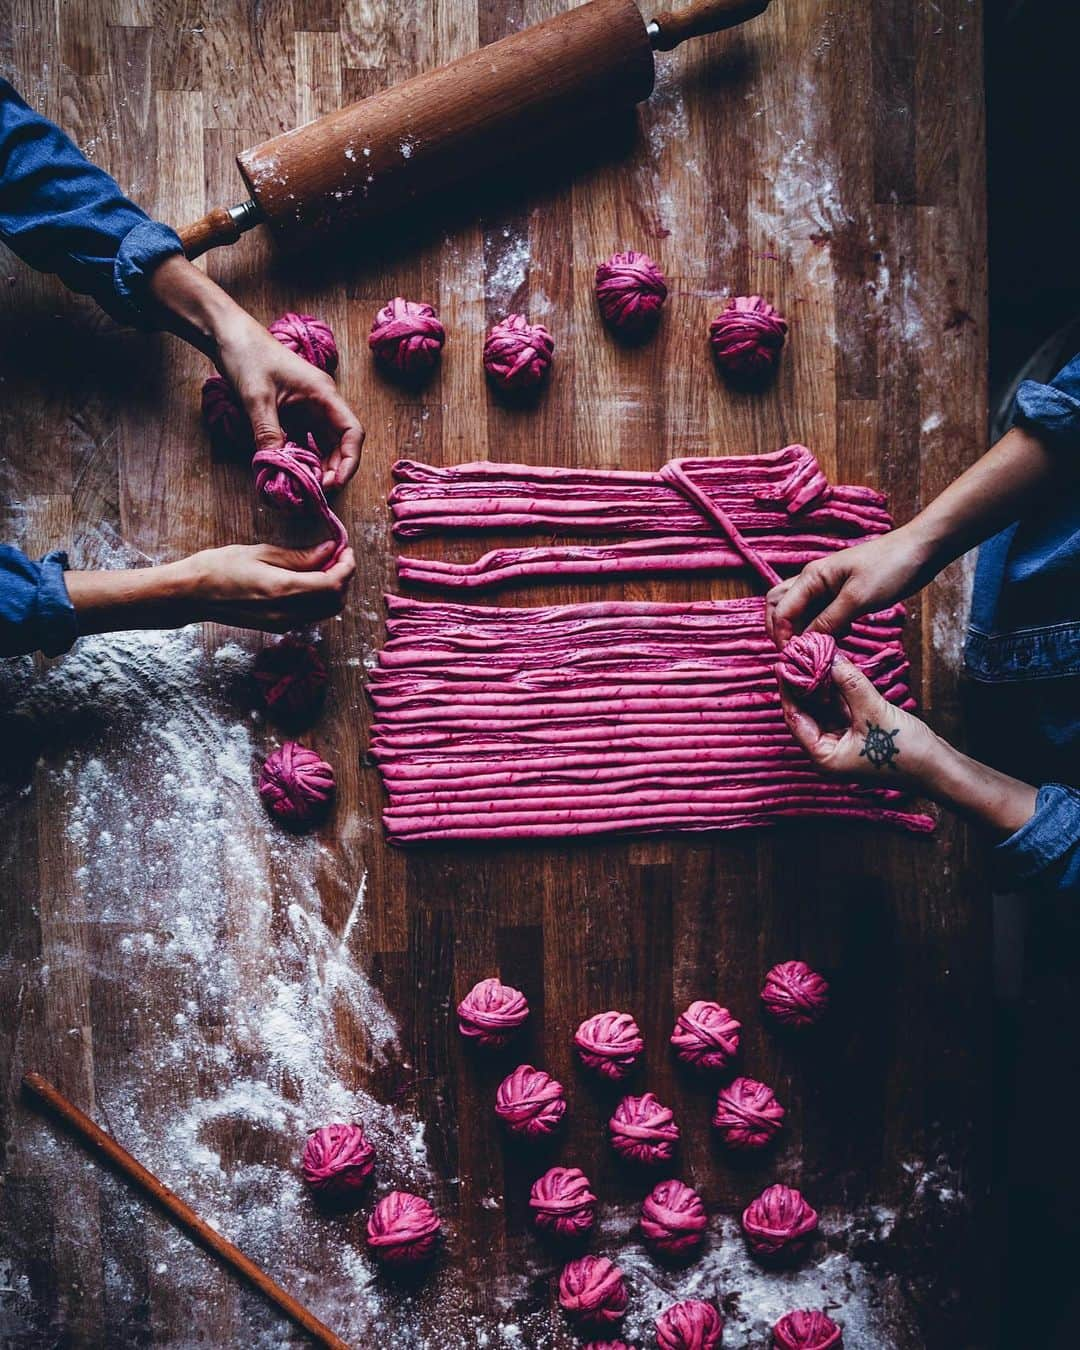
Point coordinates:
[[929, 541], [198, 309], [983, 794]]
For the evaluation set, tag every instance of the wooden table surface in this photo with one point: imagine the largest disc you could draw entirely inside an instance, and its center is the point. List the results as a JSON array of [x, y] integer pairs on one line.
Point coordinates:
[[212, 991]]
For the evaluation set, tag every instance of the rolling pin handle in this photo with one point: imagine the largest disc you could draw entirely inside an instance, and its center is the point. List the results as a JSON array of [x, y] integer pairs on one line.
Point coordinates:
[[666, 31], [219, 226]]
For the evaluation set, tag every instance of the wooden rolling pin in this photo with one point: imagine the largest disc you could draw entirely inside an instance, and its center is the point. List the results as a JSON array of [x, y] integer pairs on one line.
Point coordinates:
[[403, 144], [42, 1092]]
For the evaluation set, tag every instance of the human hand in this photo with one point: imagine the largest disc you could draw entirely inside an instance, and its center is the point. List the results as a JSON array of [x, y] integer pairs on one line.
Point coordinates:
[[269, 379], [248, 585], [867, 737], [273, 382], [265, 587], [829, 593]]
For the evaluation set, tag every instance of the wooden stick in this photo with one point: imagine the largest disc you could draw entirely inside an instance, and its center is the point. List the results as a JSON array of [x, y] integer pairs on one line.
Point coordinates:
[[95, 1138]]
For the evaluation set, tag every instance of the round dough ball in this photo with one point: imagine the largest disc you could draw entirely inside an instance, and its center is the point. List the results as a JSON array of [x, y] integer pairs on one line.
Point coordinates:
[[407, 338], [706, 1036], [779, 1223], [491, 1012], [630, 291], [747, 1115], [311, 338], [806, 662], [337, 1159], [291, 678], [692, 1325], [518, 354], [592, 1292], [643, 1131], [673, 1219], [746, 338], [562, 1203], [609, 1044], [296, 785], [795, 995], [806, 1330], [530, 1102], [225, 419], [403, 1229]]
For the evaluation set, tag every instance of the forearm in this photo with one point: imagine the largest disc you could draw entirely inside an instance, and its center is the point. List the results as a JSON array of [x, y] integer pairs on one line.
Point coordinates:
[[193, 306], [140, 597], [993, 799], [990, 495]]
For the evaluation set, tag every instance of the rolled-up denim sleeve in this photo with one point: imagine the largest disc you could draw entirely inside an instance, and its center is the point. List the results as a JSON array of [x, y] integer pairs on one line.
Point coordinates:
[[62, 214], [36, 613], [1045, 852], [1052, 410]]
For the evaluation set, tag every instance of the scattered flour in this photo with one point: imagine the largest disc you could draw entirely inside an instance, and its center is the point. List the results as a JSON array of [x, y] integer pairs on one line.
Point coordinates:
[[508, 259], [248, 1020]]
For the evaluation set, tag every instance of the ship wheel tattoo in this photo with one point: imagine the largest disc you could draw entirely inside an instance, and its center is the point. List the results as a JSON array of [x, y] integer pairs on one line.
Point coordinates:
[[880, 746]]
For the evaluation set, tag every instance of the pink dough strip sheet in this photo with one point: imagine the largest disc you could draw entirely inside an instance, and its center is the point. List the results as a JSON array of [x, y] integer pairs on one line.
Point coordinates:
[[610, 718]]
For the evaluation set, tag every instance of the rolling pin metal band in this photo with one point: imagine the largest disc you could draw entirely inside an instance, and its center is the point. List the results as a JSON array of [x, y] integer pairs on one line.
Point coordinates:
[[416, 138]]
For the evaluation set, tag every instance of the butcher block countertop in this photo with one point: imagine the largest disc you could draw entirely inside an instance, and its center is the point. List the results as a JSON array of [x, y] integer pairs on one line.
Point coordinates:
[[210, 989]]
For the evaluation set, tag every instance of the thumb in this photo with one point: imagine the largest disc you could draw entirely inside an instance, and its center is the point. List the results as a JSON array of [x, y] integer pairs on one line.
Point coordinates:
[[297, 559], [262, 412]]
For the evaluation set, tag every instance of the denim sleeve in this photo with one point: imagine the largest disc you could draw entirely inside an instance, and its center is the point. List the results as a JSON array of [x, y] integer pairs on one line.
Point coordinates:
[[1045, 852], [1052, 410], [62, 214], [36, 613]]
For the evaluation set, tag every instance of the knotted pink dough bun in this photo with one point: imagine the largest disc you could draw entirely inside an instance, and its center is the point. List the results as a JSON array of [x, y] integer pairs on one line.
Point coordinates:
[[806, 1330], [296, 785], [402, 1229], [491, 1012], [692, 1325], [806, 664], [291, 678], [311, 338], [630, 290], [517, 354], [222, 413], [562, 1202], [706, 1036], [277, 484], [530, 1102], [747, 1114], [609, 1044], [795, 995], [746, 337], [407, 337], [673, 1219], [224, 418], [592, 1292], [337, 1159], [778, 1222], [643, 1131]]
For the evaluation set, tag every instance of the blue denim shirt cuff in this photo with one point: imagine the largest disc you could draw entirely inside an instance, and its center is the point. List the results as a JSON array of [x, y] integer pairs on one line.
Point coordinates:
[[1043, 842], [141, 250], [53, 623], [1048, 410]]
